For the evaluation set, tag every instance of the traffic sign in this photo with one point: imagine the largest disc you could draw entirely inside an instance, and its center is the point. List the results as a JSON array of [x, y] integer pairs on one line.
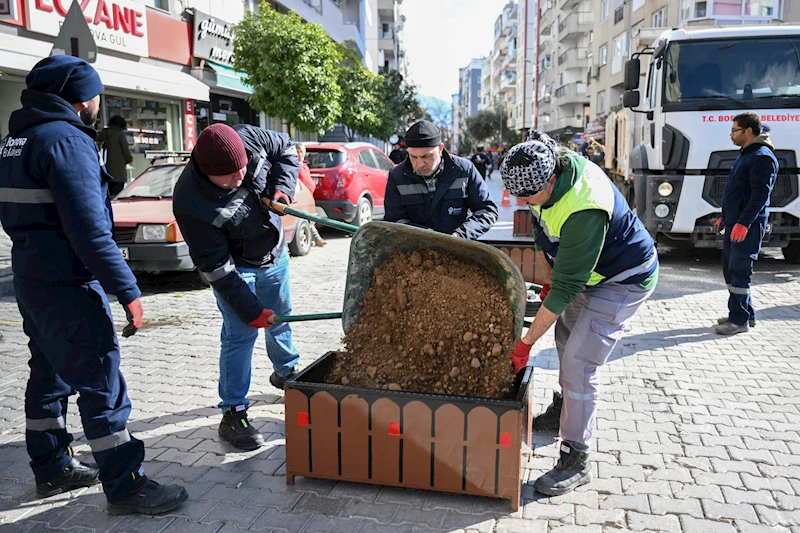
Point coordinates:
[[75, 38]]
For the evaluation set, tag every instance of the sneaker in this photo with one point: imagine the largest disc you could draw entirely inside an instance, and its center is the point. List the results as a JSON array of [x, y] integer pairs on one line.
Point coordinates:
[[729, 328], [724, 319], [149, 498], [572, 471], [76, 475], [236, 429], [279, 381], [551, 419], [320, 242]]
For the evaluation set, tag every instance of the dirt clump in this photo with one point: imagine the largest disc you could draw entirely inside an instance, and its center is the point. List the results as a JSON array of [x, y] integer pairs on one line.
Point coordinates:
[[430, 323]]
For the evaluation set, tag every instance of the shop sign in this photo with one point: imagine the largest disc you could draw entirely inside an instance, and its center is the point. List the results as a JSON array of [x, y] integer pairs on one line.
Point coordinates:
[[8, 9], [189, 124], [119, 25], [213, 39]]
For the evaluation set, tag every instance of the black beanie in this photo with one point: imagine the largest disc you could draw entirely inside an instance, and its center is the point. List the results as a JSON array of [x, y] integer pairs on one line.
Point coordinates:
[[423, 134], [219, 151], [71, 78]]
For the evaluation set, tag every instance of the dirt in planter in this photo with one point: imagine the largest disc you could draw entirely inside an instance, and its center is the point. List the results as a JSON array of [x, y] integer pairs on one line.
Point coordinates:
[[431, 323]]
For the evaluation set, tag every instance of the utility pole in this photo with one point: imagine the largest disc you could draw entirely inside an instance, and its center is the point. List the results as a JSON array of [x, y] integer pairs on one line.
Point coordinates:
[[630, 36], [536, 68]]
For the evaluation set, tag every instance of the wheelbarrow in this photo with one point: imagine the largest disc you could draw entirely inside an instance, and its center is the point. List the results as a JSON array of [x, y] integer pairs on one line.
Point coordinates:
[[373, 244]]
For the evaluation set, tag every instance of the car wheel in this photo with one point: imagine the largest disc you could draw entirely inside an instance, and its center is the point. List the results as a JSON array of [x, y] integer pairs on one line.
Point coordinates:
[[363, 212], [301, 243], [792, 252]]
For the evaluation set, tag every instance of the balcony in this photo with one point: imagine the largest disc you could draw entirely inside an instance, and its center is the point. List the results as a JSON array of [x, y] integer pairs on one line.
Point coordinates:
[[566, 5], [568, 122], [386, 41], [508, 82], [573, 59], [571, 93], [575, 26]]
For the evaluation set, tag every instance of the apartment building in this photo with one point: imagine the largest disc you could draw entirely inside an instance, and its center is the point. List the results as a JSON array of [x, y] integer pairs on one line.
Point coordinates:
[[457, 123], [527, 20], [504, 63], [487, 96]]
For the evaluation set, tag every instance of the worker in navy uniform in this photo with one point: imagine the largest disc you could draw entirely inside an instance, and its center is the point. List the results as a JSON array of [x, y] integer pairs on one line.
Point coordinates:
[[437, 191], [54, 206]]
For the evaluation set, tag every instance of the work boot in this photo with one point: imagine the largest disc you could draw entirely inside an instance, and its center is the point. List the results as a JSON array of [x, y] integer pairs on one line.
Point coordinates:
[[279, 381], [551, 419], [74, 476], [724, 319], [729, 328], [320, 242], [572, 470], [236, 429], [148, 497]]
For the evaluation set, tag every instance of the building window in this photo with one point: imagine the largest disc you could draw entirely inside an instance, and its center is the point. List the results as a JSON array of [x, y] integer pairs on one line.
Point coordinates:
[[700, 9], [760, 8], [603, 55], [686, 10], [603, 9], [591, 36], [601, 102], [724, 7], [660, 18], [619, 46]]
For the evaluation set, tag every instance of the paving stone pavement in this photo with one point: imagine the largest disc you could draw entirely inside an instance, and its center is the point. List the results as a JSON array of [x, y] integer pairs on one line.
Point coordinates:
[[695, 433], [6, 279]]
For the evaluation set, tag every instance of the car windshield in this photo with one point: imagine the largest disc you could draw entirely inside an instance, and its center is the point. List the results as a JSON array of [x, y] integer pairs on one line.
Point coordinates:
[[324, 158], [155, 182], [733, 70]]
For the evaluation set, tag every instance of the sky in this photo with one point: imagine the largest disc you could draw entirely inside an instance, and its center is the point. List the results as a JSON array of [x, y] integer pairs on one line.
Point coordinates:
[[442, 36]]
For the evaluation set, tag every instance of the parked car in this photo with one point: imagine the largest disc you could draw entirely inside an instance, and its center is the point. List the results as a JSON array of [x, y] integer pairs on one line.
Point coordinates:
[[351, 180], [148, 235]]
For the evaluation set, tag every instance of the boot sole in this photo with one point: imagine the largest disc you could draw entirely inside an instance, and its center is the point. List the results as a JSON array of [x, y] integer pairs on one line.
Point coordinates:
[[561, 491], [66, 488], [115, 510]]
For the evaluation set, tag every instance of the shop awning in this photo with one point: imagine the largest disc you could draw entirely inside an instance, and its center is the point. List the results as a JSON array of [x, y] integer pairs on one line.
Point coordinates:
[[18, 55], [228, 78]]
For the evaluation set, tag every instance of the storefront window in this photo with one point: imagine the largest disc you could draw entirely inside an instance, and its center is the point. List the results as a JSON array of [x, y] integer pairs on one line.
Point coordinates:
[[224, 109]]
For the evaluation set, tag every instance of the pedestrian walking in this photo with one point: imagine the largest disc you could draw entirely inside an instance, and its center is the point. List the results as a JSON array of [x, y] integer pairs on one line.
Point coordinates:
[[54, 205], [481, 161], [115, 154], [604, 267], [305, 176], [399, 154], [596, 153], [238, 246], [437, 191], [744, 216]]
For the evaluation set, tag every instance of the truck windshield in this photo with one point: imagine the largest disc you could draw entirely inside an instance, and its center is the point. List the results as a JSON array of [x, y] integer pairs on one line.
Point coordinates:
[[733, 73]]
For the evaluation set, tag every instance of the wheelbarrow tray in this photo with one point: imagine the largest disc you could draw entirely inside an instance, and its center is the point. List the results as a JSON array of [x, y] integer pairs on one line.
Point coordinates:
[[406, 439]]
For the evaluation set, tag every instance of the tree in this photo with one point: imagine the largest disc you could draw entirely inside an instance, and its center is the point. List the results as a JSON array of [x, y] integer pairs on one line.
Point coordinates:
[[485, 126], [292, 67], [360, 106], [440, 113], [400, 107]]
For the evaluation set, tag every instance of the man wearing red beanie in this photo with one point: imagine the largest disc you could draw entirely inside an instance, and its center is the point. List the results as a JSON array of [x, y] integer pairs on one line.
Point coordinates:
[[238, 246]]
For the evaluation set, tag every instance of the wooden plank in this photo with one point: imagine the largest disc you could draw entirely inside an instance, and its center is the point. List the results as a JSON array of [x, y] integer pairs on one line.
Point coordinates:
[[449, 456], [385, 446], [481, 451], [355, 437], [417, 418], [297, 452], [324, 435], [509, 473]]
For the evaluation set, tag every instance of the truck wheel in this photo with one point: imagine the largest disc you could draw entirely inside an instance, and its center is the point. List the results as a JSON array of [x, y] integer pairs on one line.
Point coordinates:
[[301, 243], [792, 252], [363, 212]]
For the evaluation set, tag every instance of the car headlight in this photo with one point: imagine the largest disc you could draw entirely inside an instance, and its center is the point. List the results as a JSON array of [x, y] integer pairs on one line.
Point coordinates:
[[151, 233], [665, 189], [662, 210]]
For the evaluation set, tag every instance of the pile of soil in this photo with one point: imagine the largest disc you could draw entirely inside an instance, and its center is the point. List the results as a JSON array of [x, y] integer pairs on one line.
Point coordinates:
[[431, 323]]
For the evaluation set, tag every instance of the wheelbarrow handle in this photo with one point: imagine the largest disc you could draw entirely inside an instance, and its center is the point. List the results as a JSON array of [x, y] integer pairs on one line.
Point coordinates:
[[285, 209], [303, 318]]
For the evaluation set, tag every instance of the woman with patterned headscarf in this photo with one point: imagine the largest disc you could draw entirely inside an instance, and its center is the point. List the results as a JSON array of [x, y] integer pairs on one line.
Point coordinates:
[[603, 266]]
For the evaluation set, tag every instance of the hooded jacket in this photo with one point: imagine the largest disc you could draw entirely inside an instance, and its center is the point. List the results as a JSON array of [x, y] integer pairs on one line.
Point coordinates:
[[54, 200], [115, 142], [746, 195]]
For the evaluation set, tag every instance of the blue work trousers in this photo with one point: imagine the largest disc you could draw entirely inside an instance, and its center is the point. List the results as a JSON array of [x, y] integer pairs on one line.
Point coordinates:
[[74, 348], [737, 268]]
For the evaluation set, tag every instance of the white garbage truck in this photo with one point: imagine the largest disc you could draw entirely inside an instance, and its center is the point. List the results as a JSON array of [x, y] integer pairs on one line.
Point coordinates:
[[679, 150]]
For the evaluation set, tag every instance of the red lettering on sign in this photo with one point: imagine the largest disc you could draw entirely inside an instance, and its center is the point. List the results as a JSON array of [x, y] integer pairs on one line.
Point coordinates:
[[101, 14], [107, 12], [302, 419], [60, 8], [41, 5], [121, 19], [136, 23], [394, 428], [189, 125], [505, 440]]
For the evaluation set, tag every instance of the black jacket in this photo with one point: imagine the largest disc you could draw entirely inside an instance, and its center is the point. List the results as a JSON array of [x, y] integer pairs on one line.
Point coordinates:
[[461, 203], [746, 196], [229, 228], [115, 143]]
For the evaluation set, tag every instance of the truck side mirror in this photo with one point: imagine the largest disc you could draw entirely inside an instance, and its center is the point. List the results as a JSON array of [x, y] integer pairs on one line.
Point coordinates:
[[632, 73], [630, 99]]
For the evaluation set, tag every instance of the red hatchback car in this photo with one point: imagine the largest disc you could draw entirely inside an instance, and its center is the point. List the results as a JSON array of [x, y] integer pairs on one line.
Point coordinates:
[[351, 180]]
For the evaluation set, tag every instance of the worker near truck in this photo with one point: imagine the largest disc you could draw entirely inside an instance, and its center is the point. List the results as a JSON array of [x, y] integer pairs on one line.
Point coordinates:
[[604, 267], [434, 190], [54, 205], [238, 246], [744, 216]]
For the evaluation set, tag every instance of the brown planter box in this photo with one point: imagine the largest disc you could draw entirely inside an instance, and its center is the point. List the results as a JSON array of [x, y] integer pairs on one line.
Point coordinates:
[[404, 439]]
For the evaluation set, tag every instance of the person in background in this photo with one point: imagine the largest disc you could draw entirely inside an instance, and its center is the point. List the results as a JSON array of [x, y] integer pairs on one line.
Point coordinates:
[[113, 144], [305, 176], [596, 153], [481, 161], [399, 154]]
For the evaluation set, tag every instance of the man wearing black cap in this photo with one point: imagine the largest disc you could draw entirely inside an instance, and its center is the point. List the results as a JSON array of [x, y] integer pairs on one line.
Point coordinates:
[[238, 246], [54, 206], [437, 191]]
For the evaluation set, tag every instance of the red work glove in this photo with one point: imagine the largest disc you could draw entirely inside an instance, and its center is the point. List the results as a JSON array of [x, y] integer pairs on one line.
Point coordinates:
[[521, 355], [134, 313], [544, 291], [263, 319], [718, 224], [738, 233]]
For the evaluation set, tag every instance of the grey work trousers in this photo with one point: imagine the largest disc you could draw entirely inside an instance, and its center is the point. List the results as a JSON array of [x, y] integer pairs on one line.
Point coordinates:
[[586, 333]]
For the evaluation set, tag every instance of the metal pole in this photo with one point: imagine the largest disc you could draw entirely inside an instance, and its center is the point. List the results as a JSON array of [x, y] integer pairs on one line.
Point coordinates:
[[630, 17], [536, 69]]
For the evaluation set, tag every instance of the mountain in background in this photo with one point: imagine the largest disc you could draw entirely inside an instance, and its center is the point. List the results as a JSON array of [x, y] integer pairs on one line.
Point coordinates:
[[440, 111]]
